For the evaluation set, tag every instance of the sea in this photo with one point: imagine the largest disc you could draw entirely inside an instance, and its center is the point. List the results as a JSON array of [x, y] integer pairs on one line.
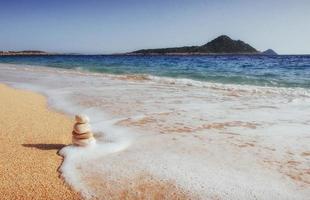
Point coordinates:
[[179, 127], [261, 70]]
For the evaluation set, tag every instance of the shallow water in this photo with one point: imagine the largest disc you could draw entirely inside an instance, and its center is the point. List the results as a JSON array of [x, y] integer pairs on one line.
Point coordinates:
[[278, 71], [189, 138]]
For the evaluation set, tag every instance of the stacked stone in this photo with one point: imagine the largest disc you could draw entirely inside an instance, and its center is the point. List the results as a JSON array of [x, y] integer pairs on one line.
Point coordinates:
[[81, 134]]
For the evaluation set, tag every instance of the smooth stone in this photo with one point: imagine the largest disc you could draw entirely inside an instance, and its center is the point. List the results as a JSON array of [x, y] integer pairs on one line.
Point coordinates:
[[81, 118], [81, 128], [82, 136], [83, 142]]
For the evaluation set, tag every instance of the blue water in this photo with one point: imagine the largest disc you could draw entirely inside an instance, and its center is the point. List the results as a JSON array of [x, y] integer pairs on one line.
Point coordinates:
[[278, 71]]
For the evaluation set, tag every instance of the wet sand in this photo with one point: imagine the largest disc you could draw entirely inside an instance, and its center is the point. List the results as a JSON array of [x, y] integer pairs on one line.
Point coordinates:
[[30, 136], [191, 140]]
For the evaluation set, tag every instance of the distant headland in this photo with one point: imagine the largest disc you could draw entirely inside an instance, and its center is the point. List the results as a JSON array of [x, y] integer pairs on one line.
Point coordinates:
[[23, 53], [220, 45]]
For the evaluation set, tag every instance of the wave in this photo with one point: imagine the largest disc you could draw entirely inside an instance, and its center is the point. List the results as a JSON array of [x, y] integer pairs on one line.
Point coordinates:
[[295, 91], [279, 71], [209, 140]]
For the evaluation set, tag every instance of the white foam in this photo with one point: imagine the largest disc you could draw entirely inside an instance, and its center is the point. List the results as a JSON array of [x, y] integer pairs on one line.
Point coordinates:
[[212, 140]]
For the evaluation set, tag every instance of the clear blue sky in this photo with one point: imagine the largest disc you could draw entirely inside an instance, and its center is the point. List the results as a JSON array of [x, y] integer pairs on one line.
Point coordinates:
[[94, 26]]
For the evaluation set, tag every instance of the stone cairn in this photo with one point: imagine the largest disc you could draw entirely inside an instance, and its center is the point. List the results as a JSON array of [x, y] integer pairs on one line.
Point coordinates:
[[81, 134]]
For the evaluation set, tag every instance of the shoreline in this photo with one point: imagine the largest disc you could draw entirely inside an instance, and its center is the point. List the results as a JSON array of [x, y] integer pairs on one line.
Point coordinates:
[[158, 79], [164, 130], [29, 159]]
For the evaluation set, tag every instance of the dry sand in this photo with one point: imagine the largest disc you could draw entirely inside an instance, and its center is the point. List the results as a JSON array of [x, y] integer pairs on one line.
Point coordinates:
[[30, 136]]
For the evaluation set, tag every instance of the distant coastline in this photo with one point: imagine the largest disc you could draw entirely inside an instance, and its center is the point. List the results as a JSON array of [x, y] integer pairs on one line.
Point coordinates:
[[24, 53], [222, 45], [139, 54], [188, 54]]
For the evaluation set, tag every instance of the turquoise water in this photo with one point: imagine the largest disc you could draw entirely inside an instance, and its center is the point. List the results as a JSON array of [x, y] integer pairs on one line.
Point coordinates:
[[277, 71]]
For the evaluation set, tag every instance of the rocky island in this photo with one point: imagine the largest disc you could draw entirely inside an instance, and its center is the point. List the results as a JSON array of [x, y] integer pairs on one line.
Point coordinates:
[[269, 52], [220, 45]]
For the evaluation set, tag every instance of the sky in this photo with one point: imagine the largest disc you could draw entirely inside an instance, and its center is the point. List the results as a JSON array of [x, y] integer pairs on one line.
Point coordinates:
[[98, 26]]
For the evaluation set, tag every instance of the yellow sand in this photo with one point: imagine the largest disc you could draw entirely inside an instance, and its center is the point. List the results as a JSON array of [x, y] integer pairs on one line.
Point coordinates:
[[30, 136]]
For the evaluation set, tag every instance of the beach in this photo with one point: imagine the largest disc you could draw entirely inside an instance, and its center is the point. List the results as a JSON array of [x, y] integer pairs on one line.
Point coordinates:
[[31, 134], [165, 138], [155, 100]]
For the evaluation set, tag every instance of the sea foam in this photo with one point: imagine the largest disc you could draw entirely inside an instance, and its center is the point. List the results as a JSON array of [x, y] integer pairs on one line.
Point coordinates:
[[209, 140]]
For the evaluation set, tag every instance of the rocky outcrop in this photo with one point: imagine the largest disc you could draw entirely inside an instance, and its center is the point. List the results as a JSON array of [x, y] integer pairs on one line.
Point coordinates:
[[269, 52]]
